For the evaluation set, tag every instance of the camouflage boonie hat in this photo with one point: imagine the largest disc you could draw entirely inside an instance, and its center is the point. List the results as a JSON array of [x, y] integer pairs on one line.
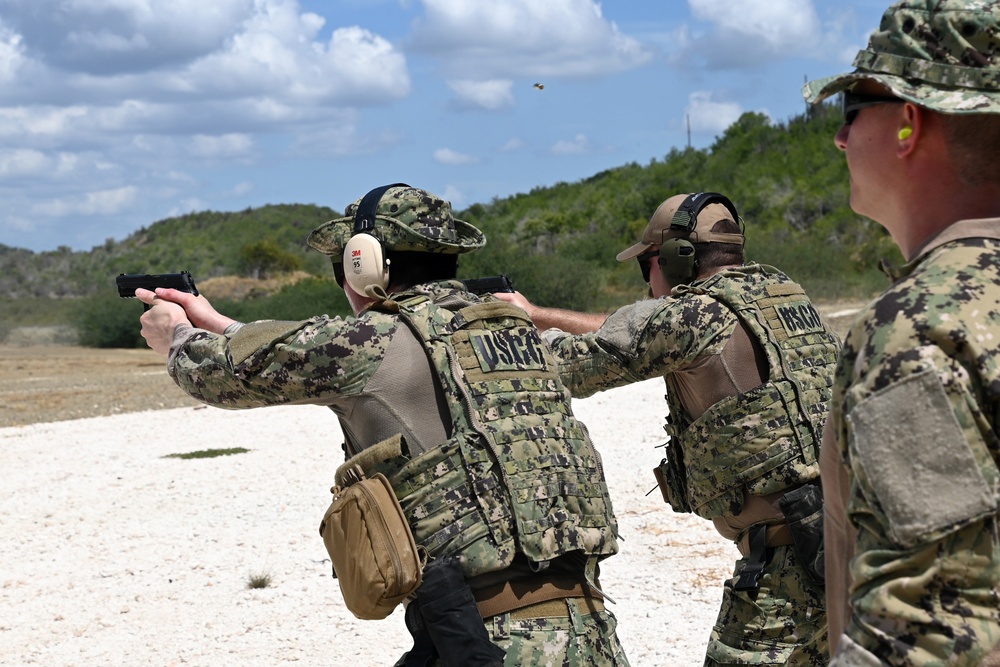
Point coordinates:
[[941, 54], [407, 219]]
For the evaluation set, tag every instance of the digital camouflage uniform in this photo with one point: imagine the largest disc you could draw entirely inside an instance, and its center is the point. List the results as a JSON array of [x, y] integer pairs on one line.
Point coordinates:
[[752, 445], [917, 399], [492, 467], [910, 462]]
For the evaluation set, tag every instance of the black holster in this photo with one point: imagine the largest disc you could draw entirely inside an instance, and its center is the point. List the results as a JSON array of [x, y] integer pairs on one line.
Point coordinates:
[[671, 477], [423, 652], [445, 622], [803, 510]]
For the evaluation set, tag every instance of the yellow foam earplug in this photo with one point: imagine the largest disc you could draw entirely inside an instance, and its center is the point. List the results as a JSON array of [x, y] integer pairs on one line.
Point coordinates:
[[905, 133]]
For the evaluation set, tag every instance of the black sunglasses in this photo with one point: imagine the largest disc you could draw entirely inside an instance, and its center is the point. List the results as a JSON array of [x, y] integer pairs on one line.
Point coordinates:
[[855, 102], [643, 260]]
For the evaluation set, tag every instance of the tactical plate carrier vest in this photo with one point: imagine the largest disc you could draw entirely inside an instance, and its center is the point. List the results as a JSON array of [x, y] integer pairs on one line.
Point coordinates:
[[767, 439], [519, 473]]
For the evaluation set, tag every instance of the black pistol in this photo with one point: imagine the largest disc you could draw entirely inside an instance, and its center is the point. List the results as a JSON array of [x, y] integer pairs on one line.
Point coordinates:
[[128, 283], [481, 286]]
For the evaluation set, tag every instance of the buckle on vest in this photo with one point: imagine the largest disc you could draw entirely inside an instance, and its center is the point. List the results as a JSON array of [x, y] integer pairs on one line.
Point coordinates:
[[753, 569]]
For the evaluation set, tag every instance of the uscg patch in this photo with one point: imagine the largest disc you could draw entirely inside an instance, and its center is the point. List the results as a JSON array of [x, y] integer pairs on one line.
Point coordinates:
[[799, 318], [508, 350]]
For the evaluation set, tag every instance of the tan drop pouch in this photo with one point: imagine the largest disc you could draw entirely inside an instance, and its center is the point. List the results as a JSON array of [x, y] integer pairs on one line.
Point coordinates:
[[375, 558]]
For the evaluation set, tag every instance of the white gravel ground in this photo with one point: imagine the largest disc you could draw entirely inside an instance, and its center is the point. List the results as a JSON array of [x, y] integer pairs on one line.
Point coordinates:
[[112, 554]]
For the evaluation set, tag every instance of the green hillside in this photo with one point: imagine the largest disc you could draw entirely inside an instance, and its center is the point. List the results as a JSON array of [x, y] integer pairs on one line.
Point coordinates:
[[558, 243], [207, 244], [789, 182]]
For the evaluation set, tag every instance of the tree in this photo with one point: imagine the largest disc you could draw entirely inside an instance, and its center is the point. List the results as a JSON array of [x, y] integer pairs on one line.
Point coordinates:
[[266, 257]]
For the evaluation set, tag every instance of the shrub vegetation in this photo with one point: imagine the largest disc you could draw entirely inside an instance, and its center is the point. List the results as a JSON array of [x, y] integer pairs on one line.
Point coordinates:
[[557, 242]]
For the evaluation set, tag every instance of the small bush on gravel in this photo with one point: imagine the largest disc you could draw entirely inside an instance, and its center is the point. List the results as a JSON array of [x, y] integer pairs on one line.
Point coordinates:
[[259, 579], [207, 453]]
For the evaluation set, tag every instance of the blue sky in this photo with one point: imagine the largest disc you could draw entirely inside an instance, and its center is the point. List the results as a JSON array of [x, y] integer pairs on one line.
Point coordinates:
[[117, 113]]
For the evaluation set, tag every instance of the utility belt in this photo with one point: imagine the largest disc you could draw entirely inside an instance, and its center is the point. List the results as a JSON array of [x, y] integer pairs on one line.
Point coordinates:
[[777, 535], [559, 608], [537, 596]]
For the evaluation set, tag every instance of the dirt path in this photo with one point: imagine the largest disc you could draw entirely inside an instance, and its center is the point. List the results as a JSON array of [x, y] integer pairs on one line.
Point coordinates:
[[55, 383]]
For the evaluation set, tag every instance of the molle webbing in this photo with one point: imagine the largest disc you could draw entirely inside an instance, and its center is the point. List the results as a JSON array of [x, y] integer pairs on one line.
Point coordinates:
[[767, 439], [521, 474], [370, 458], [740, 446]]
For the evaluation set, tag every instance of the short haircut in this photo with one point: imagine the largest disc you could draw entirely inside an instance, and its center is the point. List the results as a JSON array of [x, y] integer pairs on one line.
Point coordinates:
[[714, 255], [973, 145]]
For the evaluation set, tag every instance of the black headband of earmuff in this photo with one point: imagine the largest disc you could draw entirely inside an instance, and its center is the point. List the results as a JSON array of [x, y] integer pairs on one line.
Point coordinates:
[[364, 216], [678, 257], [686, 216]]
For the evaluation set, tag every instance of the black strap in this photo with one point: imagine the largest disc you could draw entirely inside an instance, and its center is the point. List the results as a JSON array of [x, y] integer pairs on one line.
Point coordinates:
[[753, 569], [364, 216], [686, 216]]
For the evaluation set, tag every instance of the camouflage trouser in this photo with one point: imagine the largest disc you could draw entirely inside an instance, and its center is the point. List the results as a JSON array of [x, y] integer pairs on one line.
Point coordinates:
[[782, 623], [575, 640], [566, 637]]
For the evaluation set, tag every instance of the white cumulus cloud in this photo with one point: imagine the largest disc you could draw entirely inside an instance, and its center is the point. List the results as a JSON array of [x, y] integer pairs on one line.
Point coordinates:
[[743, 34], [455, 196], [104, 202], [449, 156], [576, 146], [525, 38], [776, 23], [225, 146], [104, 37], [491, 95], [708, 115], [103, 99], [11, 54], [23, 162], [511, 145], [279, 59], [242, 188]]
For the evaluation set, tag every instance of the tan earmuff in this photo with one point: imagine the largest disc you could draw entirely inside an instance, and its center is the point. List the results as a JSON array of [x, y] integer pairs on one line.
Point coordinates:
[[365, 265], [366, 268]]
